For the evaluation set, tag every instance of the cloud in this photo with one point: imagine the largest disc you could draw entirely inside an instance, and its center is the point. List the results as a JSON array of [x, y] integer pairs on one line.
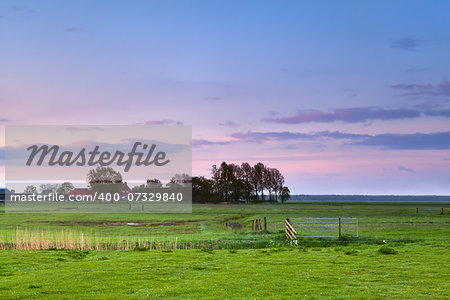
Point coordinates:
[[414, 141], [349, 115], [21, 8], [202, 142], [407, 44], [427, 89], [387, 141], [261, 137], [405, 169], [74, 29], [230, 124], [84, 128], [438, 113], [212, 98], [163, 122]]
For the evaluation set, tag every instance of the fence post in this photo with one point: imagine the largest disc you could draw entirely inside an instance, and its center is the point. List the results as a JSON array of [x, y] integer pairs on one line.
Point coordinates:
[[339, 227], [265, 222], [291, 233], [253, 225], [417, 210], [357, 228]]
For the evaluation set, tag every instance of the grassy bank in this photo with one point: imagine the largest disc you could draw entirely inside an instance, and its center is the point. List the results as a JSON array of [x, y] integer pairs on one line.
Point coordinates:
[[197, 256], [417, 271]]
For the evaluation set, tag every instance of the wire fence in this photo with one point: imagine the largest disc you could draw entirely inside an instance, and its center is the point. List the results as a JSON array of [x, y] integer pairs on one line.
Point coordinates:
[[321, 227]]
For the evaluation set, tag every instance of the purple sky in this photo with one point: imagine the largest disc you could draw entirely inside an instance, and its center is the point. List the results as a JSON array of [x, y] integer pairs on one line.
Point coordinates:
[[341, 96]]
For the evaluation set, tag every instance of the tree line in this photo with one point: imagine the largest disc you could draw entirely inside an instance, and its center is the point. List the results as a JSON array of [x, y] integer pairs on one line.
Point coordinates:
[[228, 183], [234, 183]]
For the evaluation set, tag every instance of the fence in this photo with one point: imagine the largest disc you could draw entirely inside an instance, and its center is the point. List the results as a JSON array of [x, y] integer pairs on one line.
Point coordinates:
[[430, 210], [315, 227], [257, 225]]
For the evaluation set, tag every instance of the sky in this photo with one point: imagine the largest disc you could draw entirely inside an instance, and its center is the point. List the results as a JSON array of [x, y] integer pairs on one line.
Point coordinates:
[[343, 97]]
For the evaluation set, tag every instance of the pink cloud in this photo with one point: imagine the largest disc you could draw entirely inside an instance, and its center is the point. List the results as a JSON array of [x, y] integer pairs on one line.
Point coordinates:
[[427, 89], [163, 122]]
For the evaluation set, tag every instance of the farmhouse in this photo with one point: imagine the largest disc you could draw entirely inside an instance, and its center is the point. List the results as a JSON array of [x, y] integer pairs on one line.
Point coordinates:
[[80, 192], [3, 193], [124, 191]]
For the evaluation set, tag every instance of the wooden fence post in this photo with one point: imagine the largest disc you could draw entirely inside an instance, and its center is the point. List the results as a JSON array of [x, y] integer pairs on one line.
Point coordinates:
[[339, 227], [417, 210], [265, 222], [253, 225]]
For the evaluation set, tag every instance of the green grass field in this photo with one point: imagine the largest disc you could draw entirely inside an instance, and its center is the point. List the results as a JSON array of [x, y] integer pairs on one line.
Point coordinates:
[[197, 256]]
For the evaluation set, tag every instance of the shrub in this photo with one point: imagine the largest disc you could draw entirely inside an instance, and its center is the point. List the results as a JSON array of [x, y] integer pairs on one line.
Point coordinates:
[[345, 239], [385, 249], [350, 251], [207, 250], [302, 249], [34, 286], [77, 254], [140, 248]]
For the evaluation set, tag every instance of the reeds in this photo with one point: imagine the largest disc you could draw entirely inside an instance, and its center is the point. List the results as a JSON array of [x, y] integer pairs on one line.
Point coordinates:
[[39, 239]]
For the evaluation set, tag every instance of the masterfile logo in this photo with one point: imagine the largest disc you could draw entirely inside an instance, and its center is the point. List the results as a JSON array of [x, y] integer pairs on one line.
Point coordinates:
[[95, 157], [52, 164]]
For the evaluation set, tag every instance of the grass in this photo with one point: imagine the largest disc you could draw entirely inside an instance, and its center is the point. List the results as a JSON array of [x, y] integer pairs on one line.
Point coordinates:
[[197, 256], [415, 272]]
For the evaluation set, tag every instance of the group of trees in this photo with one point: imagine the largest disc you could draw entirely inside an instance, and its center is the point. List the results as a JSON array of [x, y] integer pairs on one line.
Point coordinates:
[[231, 182], [48, 188]]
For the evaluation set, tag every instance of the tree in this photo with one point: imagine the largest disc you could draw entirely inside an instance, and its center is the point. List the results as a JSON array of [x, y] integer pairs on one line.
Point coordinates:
[[246, 177], [257, 179], [153, 183], [231, 181], [285, 194], [30, 189], [139, 189], [105, 180], [268, 180], [227, 179], [237, 185], [202, 189], [217, 188], [104, 175], [48, 188], [65, 188], [180, 180], [278, 182]]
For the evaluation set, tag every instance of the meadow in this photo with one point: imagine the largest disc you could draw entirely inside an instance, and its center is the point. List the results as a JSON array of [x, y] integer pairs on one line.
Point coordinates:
[[197, 256]]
